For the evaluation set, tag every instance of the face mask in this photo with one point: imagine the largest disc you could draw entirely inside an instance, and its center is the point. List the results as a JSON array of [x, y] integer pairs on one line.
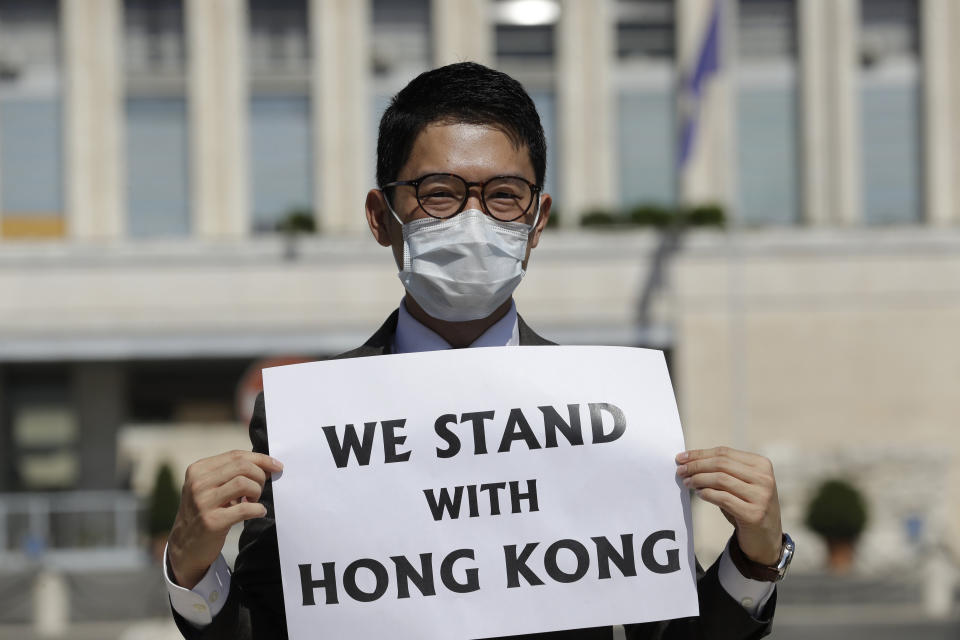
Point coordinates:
[[463, 268]]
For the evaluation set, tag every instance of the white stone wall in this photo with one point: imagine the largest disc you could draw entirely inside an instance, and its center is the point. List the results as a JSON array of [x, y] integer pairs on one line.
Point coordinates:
[[183, 299], [834, 348]]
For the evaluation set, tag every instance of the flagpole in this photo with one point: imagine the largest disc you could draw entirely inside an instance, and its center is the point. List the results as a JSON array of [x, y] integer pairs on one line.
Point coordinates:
[[739, 387]]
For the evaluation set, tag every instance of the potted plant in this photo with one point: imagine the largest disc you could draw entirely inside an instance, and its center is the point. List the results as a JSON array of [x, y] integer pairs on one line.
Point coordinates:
[[838, 514], [162, 510]]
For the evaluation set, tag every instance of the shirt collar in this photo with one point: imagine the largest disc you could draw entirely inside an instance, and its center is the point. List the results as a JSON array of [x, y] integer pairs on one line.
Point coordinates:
[[413, 336]]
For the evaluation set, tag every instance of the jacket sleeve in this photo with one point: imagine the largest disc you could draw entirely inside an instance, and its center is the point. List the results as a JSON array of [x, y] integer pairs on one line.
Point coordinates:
[[254, 607], [721, 617]]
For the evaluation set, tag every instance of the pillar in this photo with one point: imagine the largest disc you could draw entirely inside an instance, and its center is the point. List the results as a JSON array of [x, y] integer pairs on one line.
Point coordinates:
[[99, 395], [218, 112], [462, 30], [341, 101], [829, 107], [51, 603], [585, 59], [7, 466], [940, 22], [93, 112]]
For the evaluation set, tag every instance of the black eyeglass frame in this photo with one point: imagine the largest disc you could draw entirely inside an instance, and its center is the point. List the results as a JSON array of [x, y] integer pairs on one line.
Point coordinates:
[[535, 192]]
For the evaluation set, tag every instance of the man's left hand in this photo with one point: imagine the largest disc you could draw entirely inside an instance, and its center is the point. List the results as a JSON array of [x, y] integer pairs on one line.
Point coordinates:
[[743, 486]]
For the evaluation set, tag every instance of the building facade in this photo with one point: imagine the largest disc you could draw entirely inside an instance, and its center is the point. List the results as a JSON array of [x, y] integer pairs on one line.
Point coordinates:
[[149, 151]]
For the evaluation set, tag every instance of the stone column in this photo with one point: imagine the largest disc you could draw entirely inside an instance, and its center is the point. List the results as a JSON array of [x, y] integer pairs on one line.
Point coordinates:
[[829, 107], [1, 228], [99, 395], [585, 58], [708, 176], [51, 602], [462, 30], [93, 116], [339, 37], [7, 466], [940, 23], [954, 140], [218, 108]]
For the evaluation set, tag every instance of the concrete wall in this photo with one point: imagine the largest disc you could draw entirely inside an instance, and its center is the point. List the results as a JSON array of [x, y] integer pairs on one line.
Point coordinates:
[[826, 352], [188, 299]]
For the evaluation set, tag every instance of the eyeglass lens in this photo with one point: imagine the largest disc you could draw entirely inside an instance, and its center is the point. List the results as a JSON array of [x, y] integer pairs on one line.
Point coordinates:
[[505, 198]]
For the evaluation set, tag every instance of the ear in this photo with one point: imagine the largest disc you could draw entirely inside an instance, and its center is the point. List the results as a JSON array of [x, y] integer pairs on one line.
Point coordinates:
[[379, 217], [545, 202]]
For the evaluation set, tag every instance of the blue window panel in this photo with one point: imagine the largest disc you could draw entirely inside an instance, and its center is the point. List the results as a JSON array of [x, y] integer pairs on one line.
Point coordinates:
[[31, 156], [891, 153], [645, 148], [546, 103], [281, 158], [157, 167], [767, 154]]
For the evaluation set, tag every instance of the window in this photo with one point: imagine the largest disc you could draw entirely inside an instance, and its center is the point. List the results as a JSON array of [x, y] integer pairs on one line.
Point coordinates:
[[402, 50], [525, 49], [157, 143], [281, 142], [890, 111], [44, 431], [644, 79], [766, 113], [31, 148]]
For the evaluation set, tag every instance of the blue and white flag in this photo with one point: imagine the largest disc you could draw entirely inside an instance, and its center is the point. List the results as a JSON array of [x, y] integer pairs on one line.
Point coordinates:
[[694, 85]]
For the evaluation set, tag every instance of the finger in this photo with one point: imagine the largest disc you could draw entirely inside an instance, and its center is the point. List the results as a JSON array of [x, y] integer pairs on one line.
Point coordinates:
[[244, 511], [746, 457], [741, 510], [725, 482], [262, 460], [197, 474], [233, 469], [747, 473], [238, 487], [223, 519]]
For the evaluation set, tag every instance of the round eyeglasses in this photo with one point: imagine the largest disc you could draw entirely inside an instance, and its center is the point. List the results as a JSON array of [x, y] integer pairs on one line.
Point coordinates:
[[444, 195]]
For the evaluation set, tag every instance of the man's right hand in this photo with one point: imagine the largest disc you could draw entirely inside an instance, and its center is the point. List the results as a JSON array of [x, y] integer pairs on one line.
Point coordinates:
[[218, 492]]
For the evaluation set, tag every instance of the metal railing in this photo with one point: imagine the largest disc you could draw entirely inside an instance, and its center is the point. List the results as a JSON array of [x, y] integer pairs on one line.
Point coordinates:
[[70, 530]]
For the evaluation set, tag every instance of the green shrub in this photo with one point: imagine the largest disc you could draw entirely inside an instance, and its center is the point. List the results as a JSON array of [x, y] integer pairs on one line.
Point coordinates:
[[650, 215], [599, 218], [164, 502], [298, 221], [710, 215], [838, 511]]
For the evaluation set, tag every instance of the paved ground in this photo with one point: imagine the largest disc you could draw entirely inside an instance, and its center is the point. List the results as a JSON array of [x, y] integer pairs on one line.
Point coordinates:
[[862, 622], [909, 631], [793, 623], [146, 630]]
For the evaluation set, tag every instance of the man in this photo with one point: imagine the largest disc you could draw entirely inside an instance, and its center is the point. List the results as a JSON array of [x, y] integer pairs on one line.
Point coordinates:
[[461, 159]]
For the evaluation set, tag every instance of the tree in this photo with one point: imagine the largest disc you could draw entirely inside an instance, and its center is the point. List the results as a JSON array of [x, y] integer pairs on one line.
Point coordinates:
[[164, 501], [838, 513]]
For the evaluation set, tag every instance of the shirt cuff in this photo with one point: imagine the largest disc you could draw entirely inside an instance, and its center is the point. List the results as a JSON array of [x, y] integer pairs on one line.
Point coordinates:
[[199, 605], [751, 594]]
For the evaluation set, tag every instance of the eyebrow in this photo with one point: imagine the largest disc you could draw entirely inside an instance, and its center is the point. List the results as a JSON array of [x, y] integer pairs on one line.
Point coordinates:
[[505, 174]]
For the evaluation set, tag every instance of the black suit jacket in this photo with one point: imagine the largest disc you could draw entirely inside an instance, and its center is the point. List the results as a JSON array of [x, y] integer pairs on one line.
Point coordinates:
[[254, 608]]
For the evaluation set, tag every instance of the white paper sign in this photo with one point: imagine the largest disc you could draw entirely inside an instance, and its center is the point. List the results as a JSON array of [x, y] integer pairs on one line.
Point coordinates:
[[479, 493]]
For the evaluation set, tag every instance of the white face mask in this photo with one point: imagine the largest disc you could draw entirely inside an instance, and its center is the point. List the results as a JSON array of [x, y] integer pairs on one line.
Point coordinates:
[[463, 268]]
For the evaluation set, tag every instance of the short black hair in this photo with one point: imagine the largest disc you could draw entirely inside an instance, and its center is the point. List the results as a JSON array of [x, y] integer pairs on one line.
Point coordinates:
[[465, 92]]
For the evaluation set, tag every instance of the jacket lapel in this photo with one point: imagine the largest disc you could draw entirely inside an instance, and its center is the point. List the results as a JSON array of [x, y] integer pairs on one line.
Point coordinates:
[[381, 342], [528, 338]]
